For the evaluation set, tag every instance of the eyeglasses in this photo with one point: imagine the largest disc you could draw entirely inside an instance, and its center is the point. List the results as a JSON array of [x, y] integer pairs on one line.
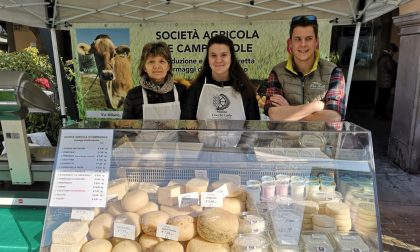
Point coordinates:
[[307, 18]]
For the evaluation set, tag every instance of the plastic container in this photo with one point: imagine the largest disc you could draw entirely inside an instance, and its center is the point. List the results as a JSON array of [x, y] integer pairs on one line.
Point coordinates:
[[310, 188], [250, 223], [282, 188], [297, 190], [314, 241], [251, 243], [268, 190], [350, 242]]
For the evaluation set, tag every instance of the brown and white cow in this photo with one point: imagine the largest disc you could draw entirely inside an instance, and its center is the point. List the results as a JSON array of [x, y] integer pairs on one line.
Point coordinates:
[[114, 68]]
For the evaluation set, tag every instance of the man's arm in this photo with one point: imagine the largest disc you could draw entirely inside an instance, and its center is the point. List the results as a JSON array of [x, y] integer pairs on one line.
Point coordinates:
[[294, 113]]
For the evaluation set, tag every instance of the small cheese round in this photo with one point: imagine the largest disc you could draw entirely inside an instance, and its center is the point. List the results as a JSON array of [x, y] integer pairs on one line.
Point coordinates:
[[127, 246], [198, 244], [186, 225], [149, 207], [134, 200], [233, 205], [97, 245], [101, 226], [148, 242], [337, 208], [172, 246], [217, 225], [116, 240], [197, 185], [150, 220], [323, 221]]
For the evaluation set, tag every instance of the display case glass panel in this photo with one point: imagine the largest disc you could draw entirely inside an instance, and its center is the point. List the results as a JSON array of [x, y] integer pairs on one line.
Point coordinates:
[[283, 186]]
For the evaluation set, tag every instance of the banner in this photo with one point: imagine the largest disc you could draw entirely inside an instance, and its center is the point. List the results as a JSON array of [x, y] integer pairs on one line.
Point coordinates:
[[258, 46]]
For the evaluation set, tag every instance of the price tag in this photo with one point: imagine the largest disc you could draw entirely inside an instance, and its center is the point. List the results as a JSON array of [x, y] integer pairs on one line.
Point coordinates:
[[236, 179], [200, 173], [125, 231], [211, 199], [188, 199], [82, 214], [167, 232], [222, 190]]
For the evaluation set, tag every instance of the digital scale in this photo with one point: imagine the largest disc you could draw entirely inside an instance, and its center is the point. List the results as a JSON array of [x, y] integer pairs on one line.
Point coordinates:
[[25, 172]]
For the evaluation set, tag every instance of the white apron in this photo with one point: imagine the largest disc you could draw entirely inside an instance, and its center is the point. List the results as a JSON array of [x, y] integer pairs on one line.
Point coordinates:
[[159, 111], [219, 103]]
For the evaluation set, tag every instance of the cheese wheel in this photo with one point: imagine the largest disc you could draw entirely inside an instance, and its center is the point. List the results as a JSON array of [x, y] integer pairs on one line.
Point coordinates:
[[323, 221], [186, 225], [101, 226], [148, 242], [70, 232], [233, 205], [75, 247], [217, 225], [166, 246], [134, 200], [337, 208], [197, 185], [149, 207], [198, 244], [127, 246], [366, 209], [97, 245], [117, 187], [309, 206], [324, 229], [150, 220], [130, 219]]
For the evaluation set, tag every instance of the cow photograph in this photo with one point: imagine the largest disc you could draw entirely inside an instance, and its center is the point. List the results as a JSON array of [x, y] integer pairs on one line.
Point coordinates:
[[105, 68]]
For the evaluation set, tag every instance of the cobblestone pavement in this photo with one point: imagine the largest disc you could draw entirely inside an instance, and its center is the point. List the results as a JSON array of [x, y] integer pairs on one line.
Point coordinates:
[[398, 191]]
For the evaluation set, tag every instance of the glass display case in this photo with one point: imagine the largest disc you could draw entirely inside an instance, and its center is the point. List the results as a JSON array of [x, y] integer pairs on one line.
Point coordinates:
[[221, 185]]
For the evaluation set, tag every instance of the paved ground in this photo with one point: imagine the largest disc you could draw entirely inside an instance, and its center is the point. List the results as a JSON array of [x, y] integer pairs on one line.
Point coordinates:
[[398, 191]]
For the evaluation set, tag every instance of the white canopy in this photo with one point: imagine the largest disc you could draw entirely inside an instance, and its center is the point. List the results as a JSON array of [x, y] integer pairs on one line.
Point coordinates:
[[66, 12]]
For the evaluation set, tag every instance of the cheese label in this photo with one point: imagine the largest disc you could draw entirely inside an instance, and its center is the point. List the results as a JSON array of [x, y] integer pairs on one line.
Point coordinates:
[[166, 231], [222, 190], [200, 173], [82, 214], [125, 231], [236, 179], [188, 199], [211, 199]]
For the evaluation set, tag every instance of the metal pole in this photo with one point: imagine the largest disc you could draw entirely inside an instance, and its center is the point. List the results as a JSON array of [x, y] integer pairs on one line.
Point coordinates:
[[352, 60], [58, 74]]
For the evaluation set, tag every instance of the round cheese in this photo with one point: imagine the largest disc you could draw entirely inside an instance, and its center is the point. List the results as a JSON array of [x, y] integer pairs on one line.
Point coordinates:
[[148, 242], [337, 208], [149, 207], [186, 225], [323, 221], [127, 246], [97, 245], [150, 220], [101, 226], [198, 244], [134, 200], [197, 185], [217, 225], [166, 246]]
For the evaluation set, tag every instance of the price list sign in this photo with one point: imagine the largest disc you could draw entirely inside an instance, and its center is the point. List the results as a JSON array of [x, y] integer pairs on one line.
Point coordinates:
[[82, 168]]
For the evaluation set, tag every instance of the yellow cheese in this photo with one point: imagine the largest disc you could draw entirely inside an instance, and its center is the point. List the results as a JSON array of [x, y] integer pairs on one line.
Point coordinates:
[[97, 245]]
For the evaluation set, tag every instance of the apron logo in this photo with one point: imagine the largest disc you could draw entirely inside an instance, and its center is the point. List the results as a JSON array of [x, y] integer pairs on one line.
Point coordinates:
[[221, 102]]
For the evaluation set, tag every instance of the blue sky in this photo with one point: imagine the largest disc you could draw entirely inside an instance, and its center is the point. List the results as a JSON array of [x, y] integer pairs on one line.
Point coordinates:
[[119, 36]]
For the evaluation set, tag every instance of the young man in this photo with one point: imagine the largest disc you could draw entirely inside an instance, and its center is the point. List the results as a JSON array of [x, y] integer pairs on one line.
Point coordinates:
[[305, 87]]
